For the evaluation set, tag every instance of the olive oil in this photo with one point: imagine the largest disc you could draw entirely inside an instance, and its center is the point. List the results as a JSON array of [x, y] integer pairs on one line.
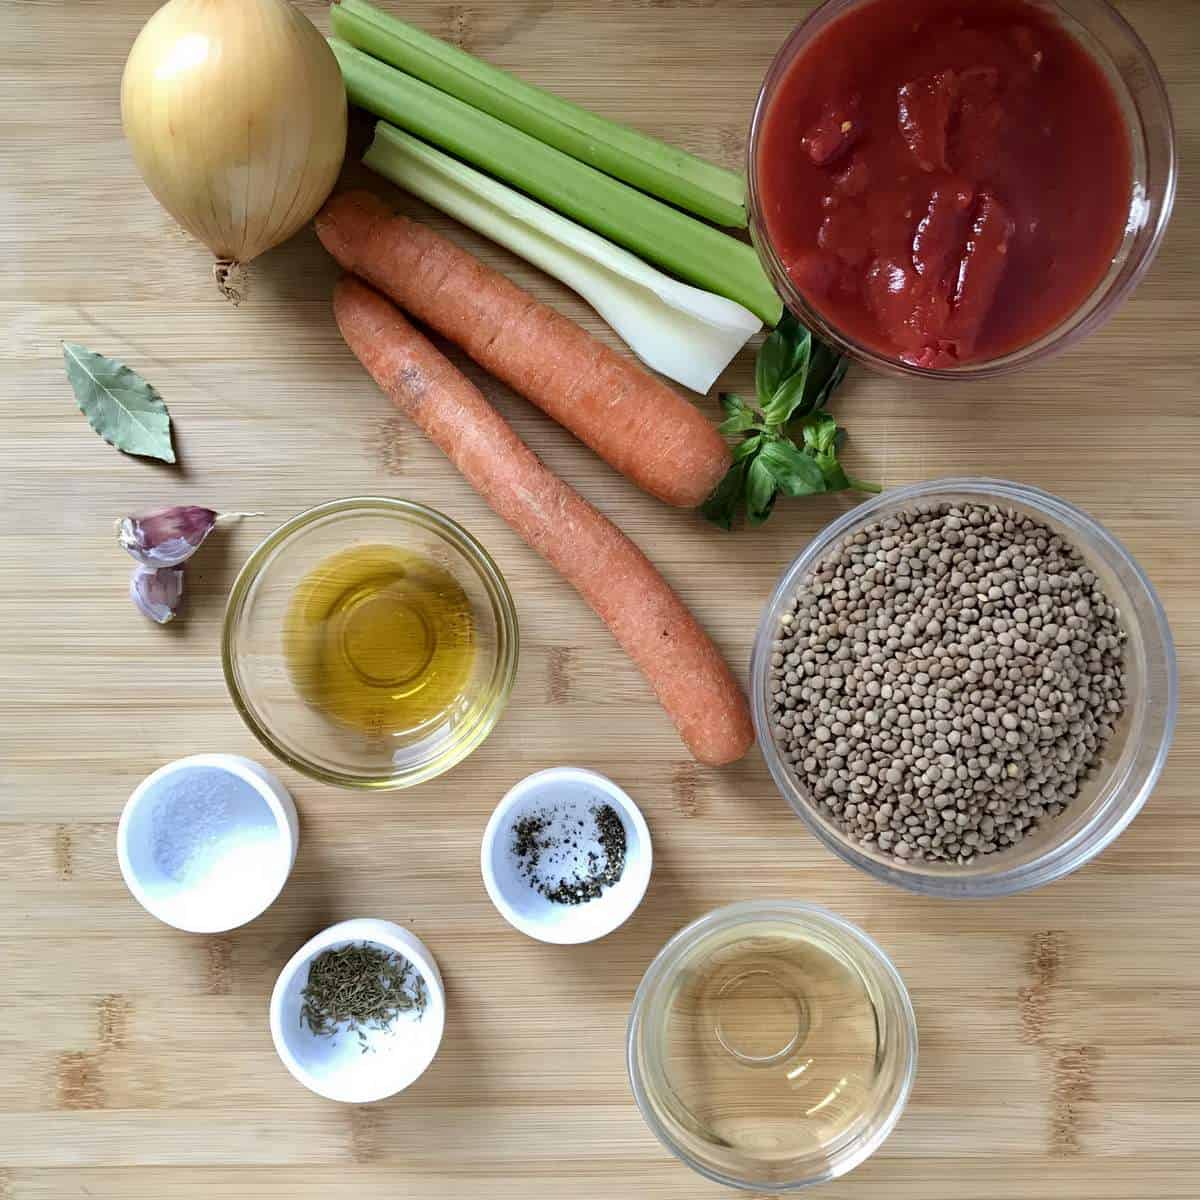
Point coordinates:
[[380, 639], [770, 1046]]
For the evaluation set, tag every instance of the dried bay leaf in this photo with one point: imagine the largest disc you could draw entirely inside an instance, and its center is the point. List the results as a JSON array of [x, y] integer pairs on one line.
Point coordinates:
[[125, 410]]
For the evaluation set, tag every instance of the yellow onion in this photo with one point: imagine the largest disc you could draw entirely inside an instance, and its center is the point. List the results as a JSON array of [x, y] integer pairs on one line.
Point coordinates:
[[236, 114]]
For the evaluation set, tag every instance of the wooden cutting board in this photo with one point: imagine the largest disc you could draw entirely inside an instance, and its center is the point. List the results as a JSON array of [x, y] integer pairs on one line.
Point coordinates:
[[1060, 1031]]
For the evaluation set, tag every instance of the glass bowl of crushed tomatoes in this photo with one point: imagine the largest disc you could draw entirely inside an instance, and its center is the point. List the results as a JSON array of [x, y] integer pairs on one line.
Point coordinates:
[[957, 188]]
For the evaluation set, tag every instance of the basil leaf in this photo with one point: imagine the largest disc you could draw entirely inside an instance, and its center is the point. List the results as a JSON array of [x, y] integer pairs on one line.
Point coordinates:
[[761, 487], [796, 473], [771, 365], [824, 379], [789, 396], [722, 506], [820, 434], [797, 335], [836, 479], [738, 418], [823, 437], [781, 355], [747, 448], [735, 425], [119, 404], [731, 404], [823, 358]]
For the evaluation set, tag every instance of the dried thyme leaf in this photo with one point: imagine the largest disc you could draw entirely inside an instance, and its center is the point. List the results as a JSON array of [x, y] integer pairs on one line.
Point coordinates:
[[360, 987]]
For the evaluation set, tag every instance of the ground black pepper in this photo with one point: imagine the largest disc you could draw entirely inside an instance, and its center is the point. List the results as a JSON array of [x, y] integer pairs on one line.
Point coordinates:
[[525, 840], [563, 860]]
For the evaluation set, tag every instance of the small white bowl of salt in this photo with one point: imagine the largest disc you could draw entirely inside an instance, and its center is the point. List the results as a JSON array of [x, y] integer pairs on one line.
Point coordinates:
[[566, 856], [206, 843]]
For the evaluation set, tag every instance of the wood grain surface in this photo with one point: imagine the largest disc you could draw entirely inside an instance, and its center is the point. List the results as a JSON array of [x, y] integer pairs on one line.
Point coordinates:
[[1060, 1031]]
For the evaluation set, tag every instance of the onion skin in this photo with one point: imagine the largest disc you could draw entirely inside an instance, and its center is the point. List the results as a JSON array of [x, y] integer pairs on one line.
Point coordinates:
[[236, 114]]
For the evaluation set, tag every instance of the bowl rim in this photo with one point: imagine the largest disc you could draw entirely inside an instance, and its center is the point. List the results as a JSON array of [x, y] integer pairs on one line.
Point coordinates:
[[566, 933], [1057, 861], [1055, 340], [395, 938], [412, 511], [813, 914], [269, 788]]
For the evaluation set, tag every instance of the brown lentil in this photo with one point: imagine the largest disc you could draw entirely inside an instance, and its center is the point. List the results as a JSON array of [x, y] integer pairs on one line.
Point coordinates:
[[943, 711]]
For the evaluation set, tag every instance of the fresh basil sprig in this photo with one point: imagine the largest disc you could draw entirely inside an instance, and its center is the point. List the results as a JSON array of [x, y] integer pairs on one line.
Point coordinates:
[[794, 377]]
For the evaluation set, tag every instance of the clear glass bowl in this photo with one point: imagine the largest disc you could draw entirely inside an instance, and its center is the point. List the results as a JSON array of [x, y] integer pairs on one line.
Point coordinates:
[[776, 1135], [1131, 763], [256, 668], [1143, 98]]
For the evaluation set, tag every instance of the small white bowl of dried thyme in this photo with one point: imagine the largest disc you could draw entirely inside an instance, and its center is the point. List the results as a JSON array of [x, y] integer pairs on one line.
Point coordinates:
[[965, 687], [357, 1014]]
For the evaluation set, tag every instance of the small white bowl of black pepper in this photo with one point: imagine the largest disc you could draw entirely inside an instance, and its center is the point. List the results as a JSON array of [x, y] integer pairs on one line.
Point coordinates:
[[566, 856], [965, 687]]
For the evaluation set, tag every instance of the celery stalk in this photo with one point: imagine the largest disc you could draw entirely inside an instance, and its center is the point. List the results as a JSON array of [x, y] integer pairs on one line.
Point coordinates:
[[674, 241], [688, 335], [664, 171]]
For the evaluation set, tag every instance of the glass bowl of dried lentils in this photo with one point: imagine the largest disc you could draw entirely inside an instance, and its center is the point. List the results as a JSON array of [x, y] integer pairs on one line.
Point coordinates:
[[965, 687]]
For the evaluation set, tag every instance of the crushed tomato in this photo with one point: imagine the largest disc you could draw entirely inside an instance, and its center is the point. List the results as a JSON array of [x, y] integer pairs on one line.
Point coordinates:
[[945, 180]]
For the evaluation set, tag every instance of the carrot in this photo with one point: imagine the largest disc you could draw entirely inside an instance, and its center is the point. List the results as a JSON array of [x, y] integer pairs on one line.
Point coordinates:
[[632, 420], [686, 671]]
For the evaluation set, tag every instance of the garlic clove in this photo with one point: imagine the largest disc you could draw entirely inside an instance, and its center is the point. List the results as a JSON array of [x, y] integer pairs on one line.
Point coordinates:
[[157, 591], [170, 536], [167, 536]]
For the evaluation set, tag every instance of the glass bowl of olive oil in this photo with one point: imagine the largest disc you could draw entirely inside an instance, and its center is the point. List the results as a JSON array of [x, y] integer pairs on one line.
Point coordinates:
[[370, 643], [772, 1045]]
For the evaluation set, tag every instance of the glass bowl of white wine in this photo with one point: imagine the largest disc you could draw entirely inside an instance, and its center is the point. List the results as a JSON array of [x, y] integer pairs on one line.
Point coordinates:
[[370, 643], [772, 1045]]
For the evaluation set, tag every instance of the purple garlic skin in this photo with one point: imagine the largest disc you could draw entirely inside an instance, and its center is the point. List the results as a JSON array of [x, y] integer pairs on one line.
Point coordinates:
[[157, 591], [167, 536]]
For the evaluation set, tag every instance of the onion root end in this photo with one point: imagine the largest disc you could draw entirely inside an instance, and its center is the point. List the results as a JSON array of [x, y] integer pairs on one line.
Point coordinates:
[[230, 277]]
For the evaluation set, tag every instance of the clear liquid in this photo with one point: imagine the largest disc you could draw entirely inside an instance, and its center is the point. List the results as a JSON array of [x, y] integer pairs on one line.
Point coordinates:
[[771, 1044]]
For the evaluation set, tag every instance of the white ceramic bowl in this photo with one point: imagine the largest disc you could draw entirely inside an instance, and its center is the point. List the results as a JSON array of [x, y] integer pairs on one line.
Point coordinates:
[[206, 843], [522, 905], [338, 1067]]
